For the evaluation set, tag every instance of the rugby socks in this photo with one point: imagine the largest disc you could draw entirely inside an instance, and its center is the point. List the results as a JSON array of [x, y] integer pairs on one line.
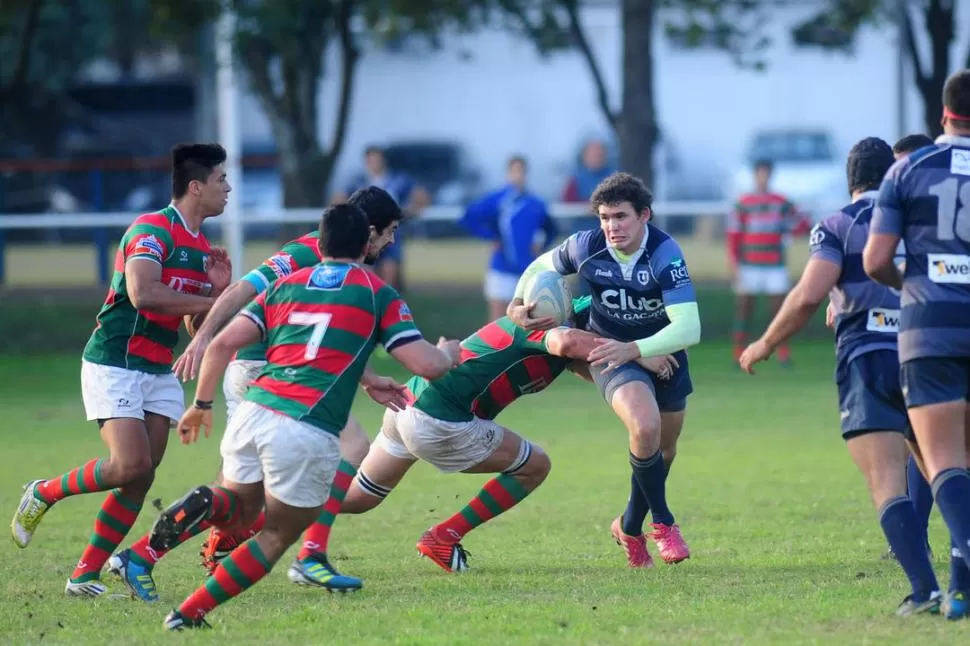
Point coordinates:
[[901, 526], [739, 337], [959, 572], [651, 474], [637, 507], [240, 570], [113, 523], [317, 536], [143, 554], [784, 353], [499, 494], [951, 489], [225, 508], [921, 495], [84, 479]]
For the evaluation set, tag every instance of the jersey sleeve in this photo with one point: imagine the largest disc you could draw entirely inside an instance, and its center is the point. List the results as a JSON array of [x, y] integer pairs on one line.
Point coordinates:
[[396, 325], [255, 311], [568, 256], [292, 257], [888, 215], [670, 269], [148, 240], [825, 243]]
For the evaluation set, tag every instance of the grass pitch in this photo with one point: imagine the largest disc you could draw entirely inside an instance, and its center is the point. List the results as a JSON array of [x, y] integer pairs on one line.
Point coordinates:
[[785, 544]]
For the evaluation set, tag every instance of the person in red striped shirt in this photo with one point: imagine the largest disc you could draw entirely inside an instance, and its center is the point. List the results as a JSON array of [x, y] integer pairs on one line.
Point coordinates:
[[164, 270], [281, 448], [757, 236]]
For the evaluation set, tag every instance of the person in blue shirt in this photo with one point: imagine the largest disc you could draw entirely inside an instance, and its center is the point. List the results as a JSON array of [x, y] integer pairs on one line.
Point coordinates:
[[512, 218], [406, 192]]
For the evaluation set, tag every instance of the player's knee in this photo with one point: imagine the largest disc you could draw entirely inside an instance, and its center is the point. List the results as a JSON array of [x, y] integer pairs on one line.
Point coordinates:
[[645, 433], [535, 470], [134, 468]]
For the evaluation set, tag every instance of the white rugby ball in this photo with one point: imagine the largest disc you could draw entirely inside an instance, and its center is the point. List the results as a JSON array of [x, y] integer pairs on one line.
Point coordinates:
[[551, 295]]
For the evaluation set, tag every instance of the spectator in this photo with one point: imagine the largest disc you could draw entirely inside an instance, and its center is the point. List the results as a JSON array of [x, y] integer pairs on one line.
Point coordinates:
[[593, 168], [511, 217], [411, 198]]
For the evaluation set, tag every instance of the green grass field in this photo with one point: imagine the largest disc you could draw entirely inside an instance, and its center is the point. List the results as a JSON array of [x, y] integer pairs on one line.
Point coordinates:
[[785, 543]]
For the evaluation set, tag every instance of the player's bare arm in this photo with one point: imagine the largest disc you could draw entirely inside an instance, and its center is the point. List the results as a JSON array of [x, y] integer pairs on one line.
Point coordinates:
[[818, 279], [571, 343], [426, 360], [227, 305], [878, 259], [384, 390], [220, 275], [241, 332], [147, 292]]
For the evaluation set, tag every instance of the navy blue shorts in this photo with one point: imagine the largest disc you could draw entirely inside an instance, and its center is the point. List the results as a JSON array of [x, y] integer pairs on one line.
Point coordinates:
[[671, 393], [871, 397], [936, 380]]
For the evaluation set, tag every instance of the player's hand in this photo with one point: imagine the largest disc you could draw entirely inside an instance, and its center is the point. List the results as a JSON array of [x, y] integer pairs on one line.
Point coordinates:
[[757, 351], [451, 348], [612, 354], [186, 367], [192, 421], [830, 316], [220, 269], [386, 392], [522, 316], [662, 366]]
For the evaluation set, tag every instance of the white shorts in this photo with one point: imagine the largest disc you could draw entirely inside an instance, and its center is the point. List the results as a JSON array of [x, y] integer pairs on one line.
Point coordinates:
[[109, 391], [762, 280], [449, 446], [235, 383], [500, 286], [296, 462]]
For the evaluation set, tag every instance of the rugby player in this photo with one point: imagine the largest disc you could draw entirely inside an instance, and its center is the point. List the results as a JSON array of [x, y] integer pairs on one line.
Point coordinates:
[[643, 302], [500, 363], [872, 410], [164, 270], [280, 450], [757, 231], [134, 565], [925, 202]]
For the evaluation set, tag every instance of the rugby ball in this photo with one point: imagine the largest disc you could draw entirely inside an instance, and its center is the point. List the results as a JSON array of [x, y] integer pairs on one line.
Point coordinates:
[[551, 295]]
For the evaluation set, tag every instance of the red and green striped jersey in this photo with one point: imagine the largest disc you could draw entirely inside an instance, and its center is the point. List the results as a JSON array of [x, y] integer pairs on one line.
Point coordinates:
[[758, 228], [136, 339], [499, 363], [321, 324], [295, 255]]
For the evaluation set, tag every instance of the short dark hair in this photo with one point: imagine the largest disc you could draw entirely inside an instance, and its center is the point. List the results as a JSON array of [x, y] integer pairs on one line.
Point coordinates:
[[373, 149], [956, 97], [378, 205], [867, 164], [619, 188], [517, 159], [344, 232], [194, 162], [911, 143], [765, 163]]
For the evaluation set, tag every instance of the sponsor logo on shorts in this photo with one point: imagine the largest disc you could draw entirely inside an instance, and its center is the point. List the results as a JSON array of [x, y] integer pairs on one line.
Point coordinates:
[[948, 268], [883, 320], [151, 246], [280, 264]]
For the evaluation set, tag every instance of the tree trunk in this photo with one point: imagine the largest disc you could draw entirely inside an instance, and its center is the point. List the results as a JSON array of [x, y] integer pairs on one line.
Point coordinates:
[[637, 126]]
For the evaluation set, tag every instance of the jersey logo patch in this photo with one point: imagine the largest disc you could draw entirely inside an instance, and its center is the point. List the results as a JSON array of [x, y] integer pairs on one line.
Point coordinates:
[[151, 246], [281, 264], [404, 313], [328, 277], [643, 276], [960, 161], [948, 268], [183, 255]]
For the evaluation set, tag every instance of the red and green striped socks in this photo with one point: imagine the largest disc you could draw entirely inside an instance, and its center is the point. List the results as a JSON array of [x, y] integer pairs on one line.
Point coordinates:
[[498, 495], [114, 520], [317, 535], [225, 506], [240, 570], [84, 479]]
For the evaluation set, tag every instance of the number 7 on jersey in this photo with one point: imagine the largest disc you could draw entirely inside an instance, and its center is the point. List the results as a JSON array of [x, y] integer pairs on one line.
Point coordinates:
[[320, 322]]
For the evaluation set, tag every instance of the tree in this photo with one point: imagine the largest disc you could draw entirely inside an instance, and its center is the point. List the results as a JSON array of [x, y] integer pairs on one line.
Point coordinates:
[[837, 26]]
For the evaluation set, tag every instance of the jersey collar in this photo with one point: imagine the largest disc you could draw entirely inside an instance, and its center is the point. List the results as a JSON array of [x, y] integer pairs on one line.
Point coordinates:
[[868, 195], [955, 140], [627, 266], [185, 225]]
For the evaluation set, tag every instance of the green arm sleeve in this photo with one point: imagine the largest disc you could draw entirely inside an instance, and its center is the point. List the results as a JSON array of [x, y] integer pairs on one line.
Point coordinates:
[[684, 331]]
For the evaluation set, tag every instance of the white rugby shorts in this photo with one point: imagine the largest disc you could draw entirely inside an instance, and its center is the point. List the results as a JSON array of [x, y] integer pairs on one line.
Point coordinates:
[[762, 280], [109, 392], [235, 383]]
